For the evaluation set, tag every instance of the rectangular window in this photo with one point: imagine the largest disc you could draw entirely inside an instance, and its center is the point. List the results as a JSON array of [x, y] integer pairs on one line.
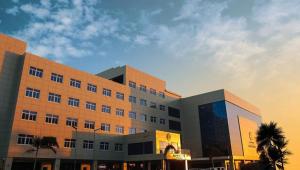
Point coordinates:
[[70, 143], [71, 122], [24, 139], [33, 93], [120, 129], [132, 99], [162, 95], [143, 117], [92, 88], [75, 83], [52, 119], [143, 102], [152, 91], [29, 115], [174, 125], [118, 147], [132, 115], [173, 112], [140, 148], [89, 124], [57, 78], [144, 130], [120, 96], [52, 97], [153, 119], [104, 146], [162, 121], [153, 105], [36, 72], [105, 127], [90, 106], [106, 92], [88, 144], [143, 88], [119, 112], [162, 107], [132, 130], [132, 84], [73, 102], [106, 109]]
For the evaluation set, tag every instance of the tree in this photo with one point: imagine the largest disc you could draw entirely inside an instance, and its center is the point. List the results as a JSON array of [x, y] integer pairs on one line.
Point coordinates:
[[38, 143], [272, 146]]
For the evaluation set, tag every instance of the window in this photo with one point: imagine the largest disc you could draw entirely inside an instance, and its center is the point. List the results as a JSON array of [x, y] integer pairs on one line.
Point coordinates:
[[132, 115], [29, 115], [92, 88], [106, 92], [143, 102], [120, 95], [144, 130], [88, 144], [118, 147], [75, 83], [132, 84], [52, 119], [34, 93], [153, 105], [173, 112], [73, 102], [119, 129], [24, 139], [143, 117], [70, 143], [71, 122], [140, 148], [162, 121], [143, 88], [104, 146], [57, 78], [162, 107], [132, 130], [153, 119], [89, 124], [132, 99], [174, 125], [161, 94], [152, 91], [36, 72], [105, 127], [52, 97], [106, 109], [119, 112], [90, 105]]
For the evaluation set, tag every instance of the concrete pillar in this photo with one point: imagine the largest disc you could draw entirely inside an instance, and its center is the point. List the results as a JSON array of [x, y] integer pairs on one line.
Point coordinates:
[[94, 165], [231, 164], [163, 165], [124, 166], [149, 165], [8, 163], [57, 164], [186, 165]]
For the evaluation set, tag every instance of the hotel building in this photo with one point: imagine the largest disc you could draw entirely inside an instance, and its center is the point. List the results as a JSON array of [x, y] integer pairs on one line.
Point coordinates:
[[121, 118]]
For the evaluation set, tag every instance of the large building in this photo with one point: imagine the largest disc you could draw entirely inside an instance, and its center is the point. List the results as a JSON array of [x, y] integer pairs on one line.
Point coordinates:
[[121, 118]]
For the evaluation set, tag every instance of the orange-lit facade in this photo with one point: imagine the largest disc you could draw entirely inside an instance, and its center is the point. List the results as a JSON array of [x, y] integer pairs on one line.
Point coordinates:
[[101, 120]]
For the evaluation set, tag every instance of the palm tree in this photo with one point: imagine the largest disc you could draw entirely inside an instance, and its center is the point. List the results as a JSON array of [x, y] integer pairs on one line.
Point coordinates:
[[272, 146], [38, 143]]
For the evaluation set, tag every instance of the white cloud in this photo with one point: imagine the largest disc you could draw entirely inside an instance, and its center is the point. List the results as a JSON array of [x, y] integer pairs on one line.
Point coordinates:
[[141, 40], [15, 1], [39, 12], [12, 11]]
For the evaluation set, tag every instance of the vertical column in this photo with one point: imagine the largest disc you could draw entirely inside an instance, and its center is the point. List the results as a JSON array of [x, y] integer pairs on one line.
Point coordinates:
[[124, 166], [94, 166], [57, 164], [231, 163], [149, 165], [8, 163], [163, 165], [186, 165]]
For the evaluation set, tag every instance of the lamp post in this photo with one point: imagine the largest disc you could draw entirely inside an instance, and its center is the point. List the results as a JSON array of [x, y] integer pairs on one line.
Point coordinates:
[[94, 149], [75, 127]]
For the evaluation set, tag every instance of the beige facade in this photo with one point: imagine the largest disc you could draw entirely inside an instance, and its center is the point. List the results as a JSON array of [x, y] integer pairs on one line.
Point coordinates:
[[148, 112]]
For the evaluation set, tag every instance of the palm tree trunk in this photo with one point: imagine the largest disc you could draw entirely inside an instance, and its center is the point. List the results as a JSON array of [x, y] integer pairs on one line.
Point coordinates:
[[35, 158]]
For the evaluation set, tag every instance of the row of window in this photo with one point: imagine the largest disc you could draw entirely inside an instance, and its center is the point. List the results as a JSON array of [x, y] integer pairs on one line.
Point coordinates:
[[24, 139], [53, 119], [143, 88]]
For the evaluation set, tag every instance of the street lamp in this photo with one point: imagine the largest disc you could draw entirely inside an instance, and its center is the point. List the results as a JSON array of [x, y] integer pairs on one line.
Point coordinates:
[[75, 127], [94, 149]]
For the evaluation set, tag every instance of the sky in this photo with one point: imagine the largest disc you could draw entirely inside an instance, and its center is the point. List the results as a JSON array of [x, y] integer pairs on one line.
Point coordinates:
[[249, 47]]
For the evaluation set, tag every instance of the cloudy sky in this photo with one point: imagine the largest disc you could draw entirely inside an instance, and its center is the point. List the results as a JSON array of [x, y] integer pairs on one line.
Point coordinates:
[[250, 47]]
